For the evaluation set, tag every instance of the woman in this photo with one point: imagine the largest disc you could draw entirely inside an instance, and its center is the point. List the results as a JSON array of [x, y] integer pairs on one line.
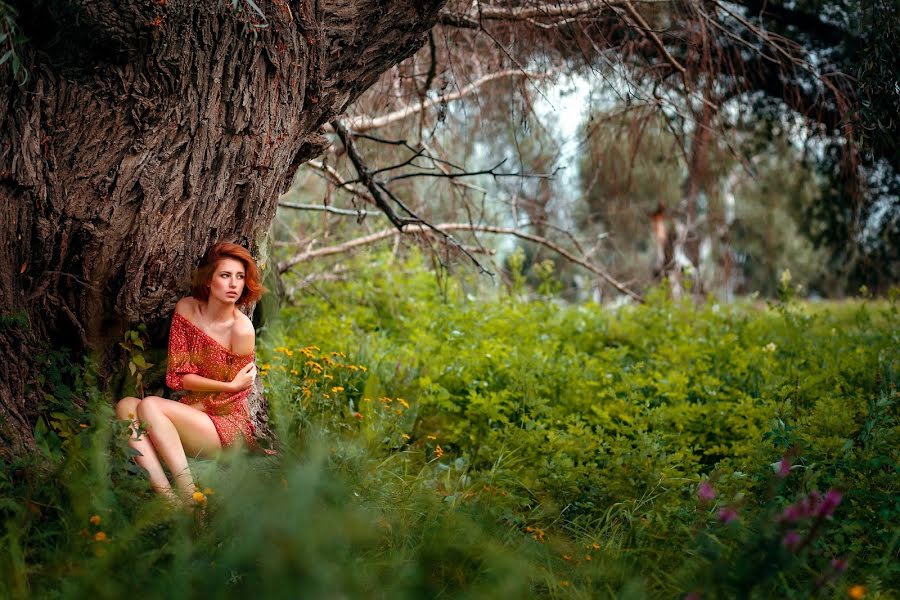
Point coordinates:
[[211, 358]]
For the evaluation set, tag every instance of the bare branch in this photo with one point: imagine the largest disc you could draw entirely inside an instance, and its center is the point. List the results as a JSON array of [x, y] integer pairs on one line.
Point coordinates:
[[447, 227], [366, 176], [359, 213], [645, 30], [552, 9], [331, 175], [364, 123]]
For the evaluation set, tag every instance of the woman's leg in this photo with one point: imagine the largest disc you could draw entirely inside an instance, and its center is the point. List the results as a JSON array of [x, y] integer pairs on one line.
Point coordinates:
[[176, 429], [126, 410]]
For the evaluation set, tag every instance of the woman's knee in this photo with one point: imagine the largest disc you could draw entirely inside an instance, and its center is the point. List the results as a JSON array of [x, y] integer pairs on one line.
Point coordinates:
[[126, 408], [149, 404]]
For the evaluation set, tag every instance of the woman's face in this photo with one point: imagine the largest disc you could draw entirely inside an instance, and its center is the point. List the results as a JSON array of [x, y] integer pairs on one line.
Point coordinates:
[[227, 282]]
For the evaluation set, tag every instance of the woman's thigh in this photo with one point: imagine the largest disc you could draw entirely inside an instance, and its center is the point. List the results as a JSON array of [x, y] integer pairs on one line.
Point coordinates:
[[196, 430]]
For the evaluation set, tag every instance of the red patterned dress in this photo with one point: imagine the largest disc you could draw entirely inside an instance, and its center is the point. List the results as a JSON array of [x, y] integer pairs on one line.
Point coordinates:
[[191, 350]]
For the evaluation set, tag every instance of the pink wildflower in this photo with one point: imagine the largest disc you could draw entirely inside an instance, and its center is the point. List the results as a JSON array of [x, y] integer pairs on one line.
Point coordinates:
[[791, 514], [831, 502], [706, 491], [839, 564], [728, 515], [784, 467], [791, 540]]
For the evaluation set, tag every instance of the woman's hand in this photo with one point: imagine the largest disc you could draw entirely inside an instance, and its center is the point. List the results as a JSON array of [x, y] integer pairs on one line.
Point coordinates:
[[244, 378]]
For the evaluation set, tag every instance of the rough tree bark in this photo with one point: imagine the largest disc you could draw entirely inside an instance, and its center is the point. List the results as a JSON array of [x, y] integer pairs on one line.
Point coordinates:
[[148, 130]]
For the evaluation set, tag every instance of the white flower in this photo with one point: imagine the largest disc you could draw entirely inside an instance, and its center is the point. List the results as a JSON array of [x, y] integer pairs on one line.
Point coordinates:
[[785, 277]]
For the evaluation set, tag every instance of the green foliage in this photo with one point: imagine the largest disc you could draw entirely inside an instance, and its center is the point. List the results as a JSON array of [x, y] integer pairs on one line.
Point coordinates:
[[138, 365], [437, 443], [10, 42]]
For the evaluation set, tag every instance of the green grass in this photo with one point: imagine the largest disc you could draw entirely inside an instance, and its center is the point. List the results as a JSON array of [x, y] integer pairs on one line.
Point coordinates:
[[436, 441]]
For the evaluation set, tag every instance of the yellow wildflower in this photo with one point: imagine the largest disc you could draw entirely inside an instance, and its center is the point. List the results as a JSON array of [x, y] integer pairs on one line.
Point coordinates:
[[403, 402], [199, 497], [295, 372], [432, 437], [438, 451], [327, 376], [95, 520], [209, 491], [337, 389]]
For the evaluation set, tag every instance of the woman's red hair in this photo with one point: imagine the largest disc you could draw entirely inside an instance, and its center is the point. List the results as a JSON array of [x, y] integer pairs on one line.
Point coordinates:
[[253, 287]]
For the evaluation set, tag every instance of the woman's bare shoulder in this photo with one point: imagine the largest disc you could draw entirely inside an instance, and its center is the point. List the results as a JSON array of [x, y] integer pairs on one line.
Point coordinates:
[[186, 307], [243, 325], [243, 337]]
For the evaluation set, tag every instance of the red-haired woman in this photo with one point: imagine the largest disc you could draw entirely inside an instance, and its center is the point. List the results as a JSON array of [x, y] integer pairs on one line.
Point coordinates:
[[211, 358]]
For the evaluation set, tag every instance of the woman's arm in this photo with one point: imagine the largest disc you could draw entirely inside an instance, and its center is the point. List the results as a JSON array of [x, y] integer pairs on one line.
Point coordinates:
[[243, 341], [195, 383]]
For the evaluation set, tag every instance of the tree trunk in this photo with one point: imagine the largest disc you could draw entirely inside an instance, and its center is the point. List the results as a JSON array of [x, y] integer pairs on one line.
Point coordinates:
[[147, 131]]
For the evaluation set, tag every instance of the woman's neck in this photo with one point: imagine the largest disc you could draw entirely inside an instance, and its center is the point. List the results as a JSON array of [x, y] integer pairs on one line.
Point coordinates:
[[216, 311]]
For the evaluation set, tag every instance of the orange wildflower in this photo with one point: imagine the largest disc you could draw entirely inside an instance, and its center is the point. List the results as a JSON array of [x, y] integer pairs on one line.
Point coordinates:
[[857, 592]]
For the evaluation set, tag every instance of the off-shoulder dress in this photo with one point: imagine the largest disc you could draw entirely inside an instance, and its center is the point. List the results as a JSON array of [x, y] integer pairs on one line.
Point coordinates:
[[191, 350]]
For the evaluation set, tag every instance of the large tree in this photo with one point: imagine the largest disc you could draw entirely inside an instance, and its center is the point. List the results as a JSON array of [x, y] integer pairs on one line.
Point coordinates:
[[134, 133]]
